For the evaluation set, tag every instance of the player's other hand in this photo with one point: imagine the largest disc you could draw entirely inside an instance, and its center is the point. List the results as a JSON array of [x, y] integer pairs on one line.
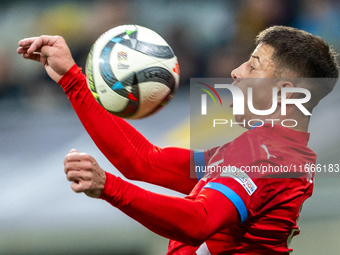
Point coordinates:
[[85, 174], [51, 51]]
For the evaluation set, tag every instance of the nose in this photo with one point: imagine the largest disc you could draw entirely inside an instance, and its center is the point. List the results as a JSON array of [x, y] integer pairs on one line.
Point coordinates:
[[236, 74]]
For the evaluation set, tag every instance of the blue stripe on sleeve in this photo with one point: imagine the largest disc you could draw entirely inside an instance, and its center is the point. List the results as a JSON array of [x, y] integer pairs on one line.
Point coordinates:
[[232, 196], [256, 124], [199, 161]]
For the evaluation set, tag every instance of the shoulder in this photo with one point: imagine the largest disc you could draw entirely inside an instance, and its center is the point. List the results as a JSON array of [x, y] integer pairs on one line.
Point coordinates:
[[255, 146]]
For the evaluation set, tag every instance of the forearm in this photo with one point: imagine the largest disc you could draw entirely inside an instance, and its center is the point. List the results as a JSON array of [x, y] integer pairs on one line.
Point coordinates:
[[184, 220], [130, 152]]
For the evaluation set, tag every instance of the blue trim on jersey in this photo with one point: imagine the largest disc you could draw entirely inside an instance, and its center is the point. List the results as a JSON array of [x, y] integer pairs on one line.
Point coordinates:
[[199, 161], [257, 124], [232, 196]]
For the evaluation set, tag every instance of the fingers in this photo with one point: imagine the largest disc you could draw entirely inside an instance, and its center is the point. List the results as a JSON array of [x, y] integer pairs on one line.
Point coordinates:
[[77, 176], [27, 42], [35, 44], [85, 174], [22, 50], [75, 155], [78, 166], [34, 56], [77, 161], [78, 172], [55, 54], [37, 48], [81, 186], [69, 157]]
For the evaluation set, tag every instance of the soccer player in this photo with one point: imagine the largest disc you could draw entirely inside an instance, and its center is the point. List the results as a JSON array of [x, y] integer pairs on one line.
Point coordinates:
[[239, 215]]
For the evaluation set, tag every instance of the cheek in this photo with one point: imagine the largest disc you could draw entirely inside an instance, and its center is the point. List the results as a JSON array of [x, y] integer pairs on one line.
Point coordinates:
[[262, 98]]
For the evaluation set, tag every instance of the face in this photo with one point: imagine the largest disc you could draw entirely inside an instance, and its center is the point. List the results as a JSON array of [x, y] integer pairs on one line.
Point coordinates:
[[251, 74]]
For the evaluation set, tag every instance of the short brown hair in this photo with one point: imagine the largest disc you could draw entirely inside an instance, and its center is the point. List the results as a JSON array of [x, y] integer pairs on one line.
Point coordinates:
[[304, 54]]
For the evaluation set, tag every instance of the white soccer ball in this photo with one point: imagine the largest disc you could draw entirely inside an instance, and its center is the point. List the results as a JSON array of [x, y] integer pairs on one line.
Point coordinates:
[[131, 71]]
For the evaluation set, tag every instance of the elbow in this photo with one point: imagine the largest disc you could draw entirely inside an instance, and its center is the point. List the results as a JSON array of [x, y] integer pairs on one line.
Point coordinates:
[[196, 238], [131, 175], [199, 233], [194, 242], [129, 171]]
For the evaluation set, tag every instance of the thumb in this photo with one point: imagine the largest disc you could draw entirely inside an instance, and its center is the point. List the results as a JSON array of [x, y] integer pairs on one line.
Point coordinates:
[[45, 51]]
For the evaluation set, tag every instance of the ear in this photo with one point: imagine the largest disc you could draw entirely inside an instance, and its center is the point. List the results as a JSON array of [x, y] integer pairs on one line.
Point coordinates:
[[280, 85]]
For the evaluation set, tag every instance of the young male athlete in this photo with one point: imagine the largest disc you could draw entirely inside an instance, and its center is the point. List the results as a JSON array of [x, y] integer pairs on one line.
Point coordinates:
[[240, 215]]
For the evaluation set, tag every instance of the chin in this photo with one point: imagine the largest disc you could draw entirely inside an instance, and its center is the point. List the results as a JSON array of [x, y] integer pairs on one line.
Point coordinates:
[[241, 119]]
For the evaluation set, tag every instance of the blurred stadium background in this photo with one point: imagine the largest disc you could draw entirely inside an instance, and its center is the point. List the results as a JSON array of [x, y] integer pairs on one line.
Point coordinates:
[[39, 213]]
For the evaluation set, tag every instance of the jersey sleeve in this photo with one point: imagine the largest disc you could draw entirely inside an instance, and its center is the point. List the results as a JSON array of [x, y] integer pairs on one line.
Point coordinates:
[[186, 220], [201, 160], [234, 194], [225, 186], [226, 175], [127, 149], [253, 196]]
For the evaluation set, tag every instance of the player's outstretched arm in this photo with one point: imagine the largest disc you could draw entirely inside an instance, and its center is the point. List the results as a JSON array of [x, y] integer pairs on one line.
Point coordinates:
[[181, 219], [133, 155], [127, 149]]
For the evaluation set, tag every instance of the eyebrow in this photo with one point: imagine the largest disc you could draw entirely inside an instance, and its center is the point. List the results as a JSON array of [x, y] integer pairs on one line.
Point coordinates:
[[256, 57]]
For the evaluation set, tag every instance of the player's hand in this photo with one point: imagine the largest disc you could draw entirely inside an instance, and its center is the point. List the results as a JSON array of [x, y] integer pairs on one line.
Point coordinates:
[[85, 174], [51, 51]]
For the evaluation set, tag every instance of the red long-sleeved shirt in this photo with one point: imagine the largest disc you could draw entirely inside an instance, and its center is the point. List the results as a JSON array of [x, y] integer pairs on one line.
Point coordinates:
[[239, 215], [190, 221]]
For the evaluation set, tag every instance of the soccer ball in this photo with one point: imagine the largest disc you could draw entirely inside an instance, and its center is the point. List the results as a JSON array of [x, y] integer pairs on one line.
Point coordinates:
[[131, 71]]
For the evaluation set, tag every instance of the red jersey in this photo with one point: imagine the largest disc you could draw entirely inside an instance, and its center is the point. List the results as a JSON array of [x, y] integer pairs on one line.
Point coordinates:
[[268, 206], [251, 188]]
